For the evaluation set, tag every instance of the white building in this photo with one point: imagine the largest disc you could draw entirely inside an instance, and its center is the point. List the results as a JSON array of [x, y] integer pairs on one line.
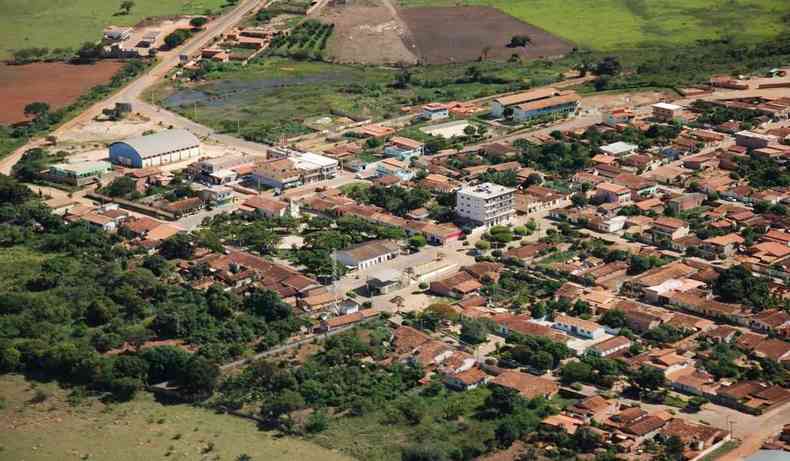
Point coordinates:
[[155, 149], [315, 167], [619, 149], [368, 254], [578, 327], [666, 112], [486, 204], [435, 111]]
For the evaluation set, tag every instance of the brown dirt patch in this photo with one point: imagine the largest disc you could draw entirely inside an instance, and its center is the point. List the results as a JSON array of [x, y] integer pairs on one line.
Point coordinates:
[[367, 33], [58, 84], [461, 34]]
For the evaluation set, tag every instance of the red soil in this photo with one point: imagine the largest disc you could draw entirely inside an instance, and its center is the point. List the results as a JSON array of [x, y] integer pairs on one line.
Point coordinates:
[[58, 84]]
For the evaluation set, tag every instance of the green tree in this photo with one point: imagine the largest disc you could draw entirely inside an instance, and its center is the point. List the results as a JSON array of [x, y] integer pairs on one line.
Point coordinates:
[[126, 6], [198, 378], [198, 22], [37, 110], [417, 241], [178, 246], [519, 41], [120, 187], [738, 285], [576, 372], [282, 404], [614, 318], [474, 332], [482, 245], [648, 378], [543, 361]]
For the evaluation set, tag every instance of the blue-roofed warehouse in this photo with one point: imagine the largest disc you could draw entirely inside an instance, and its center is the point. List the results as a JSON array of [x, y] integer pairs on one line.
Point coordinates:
[[155, 149]]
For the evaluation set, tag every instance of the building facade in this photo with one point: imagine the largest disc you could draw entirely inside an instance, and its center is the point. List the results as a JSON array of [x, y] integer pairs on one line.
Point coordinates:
[[486, 204]]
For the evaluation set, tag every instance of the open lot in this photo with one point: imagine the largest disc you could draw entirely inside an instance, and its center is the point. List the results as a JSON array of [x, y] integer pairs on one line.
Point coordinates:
[[21, 85], [69, 23], [446, 34], [367, 33], [274, 97], [617, 24], [142, 429]]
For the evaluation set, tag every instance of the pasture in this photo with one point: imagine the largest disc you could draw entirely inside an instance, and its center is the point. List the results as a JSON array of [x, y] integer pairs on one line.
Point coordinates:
[[41, 422], [622, 24], [70, 23]]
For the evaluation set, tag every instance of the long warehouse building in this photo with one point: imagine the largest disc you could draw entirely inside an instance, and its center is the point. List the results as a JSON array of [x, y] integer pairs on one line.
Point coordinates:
[[155, 149]]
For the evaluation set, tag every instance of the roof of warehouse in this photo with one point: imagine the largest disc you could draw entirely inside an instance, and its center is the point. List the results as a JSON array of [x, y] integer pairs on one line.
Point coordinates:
[[162, 142]]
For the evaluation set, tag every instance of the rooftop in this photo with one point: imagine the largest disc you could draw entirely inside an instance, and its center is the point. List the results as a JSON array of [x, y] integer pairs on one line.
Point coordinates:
[[486, 190], [159, 143]]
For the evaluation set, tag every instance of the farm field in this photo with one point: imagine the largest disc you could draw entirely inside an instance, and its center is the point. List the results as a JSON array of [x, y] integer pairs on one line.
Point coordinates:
[[69, 23], [272, 97], [619, 24], [54, 430], [444, 35], [21, 85]]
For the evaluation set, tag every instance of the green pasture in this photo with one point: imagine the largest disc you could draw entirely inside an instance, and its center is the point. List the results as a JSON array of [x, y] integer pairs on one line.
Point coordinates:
[[619, 24], [69, 23]]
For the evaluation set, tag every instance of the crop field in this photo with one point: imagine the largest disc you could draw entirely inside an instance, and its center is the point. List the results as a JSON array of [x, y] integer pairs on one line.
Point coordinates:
[[306, 40], [41, 424], [69, 23], [619, 24], [272, 97]]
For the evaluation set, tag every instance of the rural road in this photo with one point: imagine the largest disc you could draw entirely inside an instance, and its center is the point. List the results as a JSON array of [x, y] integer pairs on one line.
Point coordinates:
[[132, 92]]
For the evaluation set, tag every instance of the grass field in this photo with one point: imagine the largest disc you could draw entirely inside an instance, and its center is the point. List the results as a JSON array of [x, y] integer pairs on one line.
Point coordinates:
[[274, 95], [53, 430], [618, 24], [69, 23]]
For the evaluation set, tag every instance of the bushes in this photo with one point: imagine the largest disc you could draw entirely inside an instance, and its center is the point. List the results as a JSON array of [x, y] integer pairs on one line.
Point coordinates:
[[306, 41], [177, 37]]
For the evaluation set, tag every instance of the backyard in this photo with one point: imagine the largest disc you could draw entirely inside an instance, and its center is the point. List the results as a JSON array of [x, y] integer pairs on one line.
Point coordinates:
[[619, 24]]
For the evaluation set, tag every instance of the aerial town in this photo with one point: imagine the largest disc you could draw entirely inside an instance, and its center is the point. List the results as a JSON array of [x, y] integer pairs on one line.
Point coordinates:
[[408, 259]]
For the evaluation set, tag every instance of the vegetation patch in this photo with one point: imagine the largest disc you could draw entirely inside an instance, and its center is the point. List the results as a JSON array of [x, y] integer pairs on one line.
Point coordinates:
[[66, 25], [41, 422], [618, 24]]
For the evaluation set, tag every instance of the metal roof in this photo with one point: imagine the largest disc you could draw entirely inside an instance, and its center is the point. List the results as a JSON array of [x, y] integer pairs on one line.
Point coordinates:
[[161, 143]]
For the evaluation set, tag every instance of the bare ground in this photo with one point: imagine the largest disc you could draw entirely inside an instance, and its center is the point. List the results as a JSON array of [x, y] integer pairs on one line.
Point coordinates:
[[463, 34], [367, 32]]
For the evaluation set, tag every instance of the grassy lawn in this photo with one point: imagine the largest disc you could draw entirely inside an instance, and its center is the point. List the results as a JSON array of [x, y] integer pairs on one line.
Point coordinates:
[[142, 429], [616, 24], [69, 23]]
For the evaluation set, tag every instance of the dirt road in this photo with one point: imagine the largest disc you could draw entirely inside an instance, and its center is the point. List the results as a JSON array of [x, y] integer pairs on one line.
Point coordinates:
[[765, 426]]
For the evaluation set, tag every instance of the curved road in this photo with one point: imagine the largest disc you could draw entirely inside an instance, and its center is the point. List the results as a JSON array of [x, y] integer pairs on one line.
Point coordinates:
[[133, 91]]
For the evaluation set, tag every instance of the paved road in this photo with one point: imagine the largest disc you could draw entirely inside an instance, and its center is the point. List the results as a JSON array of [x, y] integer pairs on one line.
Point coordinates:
[[132, 92]]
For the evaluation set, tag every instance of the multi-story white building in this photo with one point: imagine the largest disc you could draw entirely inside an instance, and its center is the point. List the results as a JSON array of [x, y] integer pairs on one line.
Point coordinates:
[[486, 204]]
